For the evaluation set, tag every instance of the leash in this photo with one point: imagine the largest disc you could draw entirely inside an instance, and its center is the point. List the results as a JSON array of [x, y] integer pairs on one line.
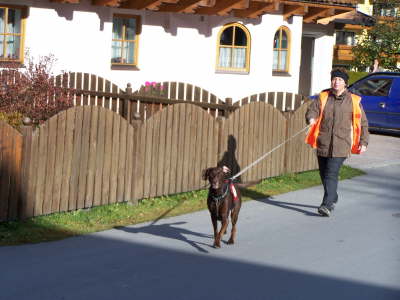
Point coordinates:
[[266, 154]]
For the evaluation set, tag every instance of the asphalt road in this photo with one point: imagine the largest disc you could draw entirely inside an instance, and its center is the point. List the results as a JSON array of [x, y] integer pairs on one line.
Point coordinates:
[[284, 250]]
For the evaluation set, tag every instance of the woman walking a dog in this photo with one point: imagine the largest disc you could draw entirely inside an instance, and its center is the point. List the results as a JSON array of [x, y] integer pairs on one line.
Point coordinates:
[[339, 127]]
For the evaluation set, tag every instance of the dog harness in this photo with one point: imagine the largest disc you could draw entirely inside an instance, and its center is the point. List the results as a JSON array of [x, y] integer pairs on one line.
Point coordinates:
[[229, 186]]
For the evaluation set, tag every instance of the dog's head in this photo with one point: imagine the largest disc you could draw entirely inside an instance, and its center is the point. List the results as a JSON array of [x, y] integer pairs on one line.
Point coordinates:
[[215, 176]]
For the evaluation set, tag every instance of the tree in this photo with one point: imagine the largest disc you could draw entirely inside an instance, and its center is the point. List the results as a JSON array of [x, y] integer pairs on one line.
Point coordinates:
[[381, 43]]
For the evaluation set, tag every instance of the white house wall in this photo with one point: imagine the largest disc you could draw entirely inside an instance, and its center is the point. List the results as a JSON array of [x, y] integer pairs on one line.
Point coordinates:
[[323, 49], [172, 47], [323, 53]]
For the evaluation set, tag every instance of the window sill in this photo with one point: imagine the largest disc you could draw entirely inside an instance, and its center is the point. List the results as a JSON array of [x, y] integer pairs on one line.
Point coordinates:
[[232, 72], [11, 64], [124, 68], [282, 74]]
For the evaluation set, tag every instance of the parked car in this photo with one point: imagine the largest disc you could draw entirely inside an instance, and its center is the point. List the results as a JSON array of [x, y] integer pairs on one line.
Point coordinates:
[[380, 93]]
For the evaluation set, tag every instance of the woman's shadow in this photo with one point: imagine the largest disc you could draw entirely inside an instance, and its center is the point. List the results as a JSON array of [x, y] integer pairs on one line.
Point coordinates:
[[229, 160]]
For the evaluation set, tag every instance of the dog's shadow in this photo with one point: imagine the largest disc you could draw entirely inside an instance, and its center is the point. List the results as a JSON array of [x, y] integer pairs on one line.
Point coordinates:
[[169, 230], [268, 199]]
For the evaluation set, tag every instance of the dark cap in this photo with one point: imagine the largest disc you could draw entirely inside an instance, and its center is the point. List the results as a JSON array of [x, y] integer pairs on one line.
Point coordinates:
[[341, 74]]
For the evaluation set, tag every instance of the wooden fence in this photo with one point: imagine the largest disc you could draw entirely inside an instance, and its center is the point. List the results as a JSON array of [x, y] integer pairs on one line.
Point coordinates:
[[90, 89], [88, 155], [120, 145]]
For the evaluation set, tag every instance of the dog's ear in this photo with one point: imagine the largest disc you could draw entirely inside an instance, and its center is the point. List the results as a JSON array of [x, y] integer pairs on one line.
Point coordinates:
[[205, 173]]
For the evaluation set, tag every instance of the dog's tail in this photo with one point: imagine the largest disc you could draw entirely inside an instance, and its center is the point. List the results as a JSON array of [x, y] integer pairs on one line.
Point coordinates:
[[247, 184]]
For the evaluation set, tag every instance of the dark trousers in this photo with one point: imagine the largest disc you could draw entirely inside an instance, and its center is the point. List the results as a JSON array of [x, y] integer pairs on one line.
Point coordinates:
[[329, 171]]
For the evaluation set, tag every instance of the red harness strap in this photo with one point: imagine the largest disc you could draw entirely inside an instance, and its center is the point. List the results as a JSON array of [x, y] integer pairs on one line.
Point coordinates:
[[232, 189]]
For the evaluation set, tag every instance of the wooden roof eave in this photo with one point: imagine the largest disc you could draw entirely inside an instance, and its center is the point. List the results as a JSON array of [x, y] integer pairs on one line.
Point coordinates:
[[312, 12]]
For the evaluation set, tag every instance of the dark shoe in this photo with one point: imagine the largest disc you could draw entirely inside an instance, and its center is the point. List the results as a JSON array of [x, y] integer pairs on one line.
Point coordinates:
[[324, 211]]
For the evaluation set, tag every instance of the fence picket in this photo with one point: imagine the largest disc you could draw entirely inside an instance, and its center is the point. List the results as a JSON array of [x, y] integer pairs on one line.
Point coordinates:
[[122, 159], [154, 155], [128, 195], [168, 151], [93, 149], [161, 152], [105, 191], [58, 167], [99, 154], [114, 158], [5, 139]]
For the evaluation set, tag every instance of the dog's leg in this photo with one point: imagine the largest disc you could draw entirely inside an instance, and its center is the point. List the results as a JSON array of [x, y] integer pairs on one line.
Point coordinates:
[[234, 217], [222, 231], [215, 227]]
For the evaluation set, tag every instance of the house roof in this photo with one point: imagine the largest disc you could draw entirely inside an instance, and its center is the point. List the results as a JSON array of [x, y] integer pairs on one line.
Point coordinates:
[[350, 17], [311, 11]]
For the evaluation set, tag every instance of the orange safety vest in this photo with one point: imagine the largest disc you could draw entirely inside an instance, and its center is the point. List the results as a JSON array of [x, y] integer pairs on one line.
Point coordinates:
[[313, 133]]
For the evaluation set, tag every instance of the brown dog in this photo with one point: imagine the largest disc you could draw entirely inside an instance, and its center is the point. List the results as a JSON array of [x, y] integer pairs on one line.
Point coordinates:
[[223, 198]]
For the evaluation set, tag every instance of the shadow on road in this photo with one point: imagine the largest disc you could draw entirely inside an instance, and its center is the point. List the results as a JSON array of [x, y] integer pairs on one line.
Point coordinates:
[[267, 199], [170, 230], [103, 268]]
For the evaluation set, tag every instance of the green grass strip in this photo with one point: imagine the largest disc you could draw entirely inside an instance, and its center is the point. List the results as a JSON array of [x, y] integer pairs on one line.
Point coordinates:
[[62, 225]]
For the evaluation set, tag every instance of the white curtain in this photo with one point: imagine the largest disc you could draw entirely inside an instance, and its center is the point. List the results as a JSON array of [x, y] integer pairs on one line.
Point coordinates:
[[116, 52], [239, 58], [129, 50], [13, 43], [282, 66], [232, 58], [225, 57], [275, 60]]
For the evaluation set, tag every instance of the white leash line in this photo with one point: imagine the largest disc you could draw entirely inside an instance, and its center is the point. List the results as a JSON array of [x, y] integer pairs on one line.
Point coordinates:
[[266, 154]]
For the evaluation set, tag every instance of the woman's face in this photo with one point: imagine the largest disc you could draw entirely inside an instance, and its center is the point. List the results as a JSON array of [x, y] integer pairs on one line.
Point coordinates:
[[338, 84]]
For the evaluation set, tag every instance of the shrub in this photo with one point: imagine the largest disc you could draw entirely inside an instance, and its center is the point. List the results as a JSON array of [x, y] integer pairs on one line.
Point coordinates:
[[354, 76], [32, 92], [14, 118]]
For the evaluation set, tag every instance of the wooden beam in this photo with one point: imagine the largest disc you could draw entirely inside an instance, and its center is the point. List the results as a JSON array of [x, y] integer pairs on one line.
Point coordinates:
[[223, 7], [256, 9], [145, 4], [290, 10], [184, 6], [327, 20], [314, 13], [66, 1], [310, 4], [111, 3], [207, 3]]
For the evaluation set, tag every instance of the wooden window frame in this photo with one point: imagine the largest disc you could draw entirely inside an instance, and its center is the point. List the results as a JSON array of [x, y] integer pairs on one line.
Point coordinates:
[[136, 41], [4, 62], [244, 70], [284, 72]]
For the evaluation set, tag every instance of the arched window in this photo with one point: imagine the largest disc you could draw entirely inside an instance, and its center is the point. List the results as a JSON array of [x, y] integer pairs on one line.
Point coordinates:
[[281, 50], [233, 53]]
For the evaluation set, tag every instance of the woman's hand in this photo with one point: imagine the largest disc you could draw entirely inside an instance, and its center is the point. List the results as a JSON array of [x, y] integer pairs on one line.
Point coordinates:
[[362, 148]]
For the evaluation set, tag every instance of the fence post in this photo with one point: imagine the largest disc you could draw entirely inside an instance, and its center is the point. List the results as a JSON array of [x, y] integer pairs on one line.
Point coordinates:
[[228, 101], [27, 205], [127, 103]]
